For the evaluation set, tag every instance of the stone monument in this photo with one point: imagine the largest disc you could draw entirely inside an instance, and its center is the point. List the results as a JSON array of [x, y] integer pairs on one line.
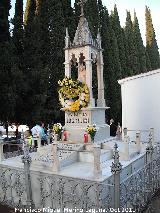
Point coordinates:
[[84, 51]]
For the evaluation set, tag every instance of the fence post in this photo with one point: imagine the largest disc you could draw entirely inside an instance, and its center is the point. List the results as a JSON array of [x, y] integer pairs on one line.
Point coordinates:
[[1, 150], [26, 159], [138, 141], [49, 135], [149, 149], [116, 168], [126, 148], [152, 135], [55, 158], [97, 162]]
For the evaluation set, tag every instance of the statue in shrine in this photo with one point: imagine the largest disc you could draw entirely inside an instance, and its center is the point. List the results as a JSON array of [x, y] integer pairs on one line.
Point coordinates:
[[82, 73]]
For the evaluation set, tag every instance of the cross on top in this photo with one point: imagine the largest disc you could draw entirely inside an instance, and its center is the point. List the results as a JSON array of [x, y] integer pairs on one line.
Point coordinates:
[[82, 3]]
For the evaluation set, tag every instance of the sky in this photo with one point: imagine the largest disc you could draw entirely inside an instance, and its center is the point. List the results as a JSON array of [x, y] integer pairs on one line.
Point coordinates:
[[138, 5]]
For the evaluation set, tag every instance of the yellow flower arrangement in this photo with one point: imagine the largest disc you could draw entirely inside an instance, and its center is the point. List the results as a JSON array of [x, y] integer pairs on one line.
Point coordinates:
[[91, 130], [73, 95]]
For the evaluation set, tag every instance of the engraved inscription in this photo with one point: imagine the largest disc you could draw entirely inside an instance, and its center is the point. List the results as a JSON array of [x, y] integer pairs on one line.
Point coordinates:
[[77, 118]]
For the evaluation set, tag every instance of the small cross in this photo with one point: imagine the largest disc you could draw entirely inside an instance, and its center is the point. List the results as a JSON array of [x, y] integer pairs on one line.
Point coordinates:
[[82, 3]]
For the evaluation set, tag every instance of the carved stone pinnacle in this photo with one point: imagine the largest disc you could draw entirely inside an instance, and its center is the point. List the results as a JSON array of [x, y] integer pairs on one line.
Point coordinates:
[[82, 3]]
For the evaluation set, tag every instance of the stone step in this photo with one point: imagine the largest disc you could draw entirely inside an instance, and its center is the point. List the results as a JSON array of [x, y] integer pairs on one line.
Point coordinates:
[[87, 156]]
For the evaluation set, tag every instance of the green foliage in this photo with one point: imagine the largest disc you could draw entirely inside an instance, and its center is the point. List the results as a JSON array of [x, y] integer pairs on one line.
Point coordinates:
[[57, 35], [112, 66], [138, 43], [133, 66], [7, 87], [120, 39], [5, 6], [17, 60], [151, 42], [36, 60]]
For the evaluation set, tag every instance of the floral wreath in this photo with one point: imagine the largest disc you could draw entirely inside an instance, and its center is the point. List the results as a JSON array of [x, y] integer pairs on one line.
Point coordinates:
[[73, 94]]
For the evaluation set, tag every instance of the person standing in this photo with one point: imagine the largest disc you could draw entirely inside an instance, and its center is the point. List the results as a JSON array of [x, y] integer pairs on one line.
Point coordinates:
[[113, 128], [44, 137]]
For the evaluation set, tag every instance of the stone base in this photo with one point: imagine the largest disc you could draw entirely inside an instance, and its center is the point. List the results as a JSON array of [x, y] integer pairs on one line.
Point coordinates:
[[76, 134], [76, 124]]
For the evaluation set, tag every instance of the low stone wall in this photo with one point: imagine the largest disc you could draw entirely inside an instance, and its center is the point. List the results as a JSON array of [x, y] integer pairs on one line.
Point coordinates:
[[54, 191]]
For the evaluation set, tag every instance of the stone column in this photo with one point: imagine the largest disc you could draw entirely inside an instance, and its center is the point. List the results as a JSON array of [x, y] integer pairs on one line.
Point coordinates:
[[100, 64], [67, 64], [39, 142], [26, 159], [88, 63], [126, 148], [97, 162], [116, 168], [138, 141], [1, 150], [152, 135], [55, 158]]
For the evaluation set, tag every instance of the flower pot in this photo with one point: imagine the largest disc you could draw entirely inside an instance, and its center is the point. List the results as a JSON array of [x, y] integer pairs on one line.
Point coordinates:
[[92, 138]]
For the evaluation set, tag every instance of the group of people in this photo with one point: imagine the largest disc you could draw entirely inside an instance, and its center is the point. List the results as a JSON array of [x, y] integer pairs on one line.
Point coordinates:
[[37, 131]]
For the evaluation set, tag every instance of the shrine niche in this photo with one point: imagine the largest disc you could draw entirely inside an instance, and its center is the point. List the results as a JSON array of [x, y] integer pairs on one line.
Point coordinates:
[[78, 67]]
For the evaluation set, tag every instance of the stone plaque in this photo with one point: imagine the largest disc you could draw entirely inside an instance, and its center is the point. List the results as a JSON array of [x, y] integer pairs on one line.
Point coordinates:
[[77, 117]]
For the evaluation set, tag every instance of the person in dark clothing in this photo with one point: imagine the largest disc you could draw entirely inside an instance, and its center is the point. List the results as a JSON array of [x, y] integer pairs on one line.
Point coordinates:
[[113, 128]]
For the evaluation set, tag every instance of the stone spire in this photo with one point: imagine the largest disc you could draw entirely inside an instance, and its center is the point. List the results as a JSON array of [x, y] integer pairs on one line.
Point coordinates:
[[83, 35], [67, 39]]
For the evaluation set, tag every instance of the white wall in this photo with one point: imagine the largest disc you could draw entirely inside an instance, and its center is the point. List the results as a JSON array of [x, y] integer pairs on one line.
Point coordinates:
[[141, 102]]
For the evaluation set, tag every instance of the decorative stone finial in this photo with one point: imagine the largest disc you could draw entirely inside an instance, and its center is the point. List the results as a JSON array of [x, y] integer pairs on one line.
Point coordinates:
[[116, 165], [67, 39], [82, 3], [99, 39], [149, 148]]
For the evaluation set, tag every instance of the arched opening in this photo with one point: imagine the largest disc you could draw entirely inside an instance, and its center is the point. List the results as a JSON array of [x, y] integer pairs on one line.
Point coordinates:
[[94, 78], [74, 67]]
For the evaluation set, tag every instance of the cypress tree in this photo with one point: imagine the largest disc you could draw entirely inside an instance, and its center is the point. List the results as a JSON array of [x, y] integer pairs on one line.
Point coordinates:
[[5, 6], [151, 42], [7, 94], [29, 31], [29, 12], [36, 59], [18, 60], [148, 63], [133, 66], [112, 67], [57, 35], [138, 43], [92, 15], [69, 18], [120, 39]]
